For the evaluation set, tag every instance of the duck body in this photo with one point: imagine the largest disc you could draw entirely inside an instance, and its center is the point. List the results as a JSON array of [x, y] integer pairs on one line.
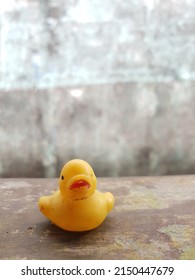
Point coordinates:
[[77, 205], [77, 215]]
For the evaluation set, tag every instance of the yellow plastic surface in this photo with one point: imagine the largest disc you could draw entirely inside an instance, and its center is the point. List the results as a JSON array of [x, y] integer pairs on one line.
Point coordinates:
[[77, 205]]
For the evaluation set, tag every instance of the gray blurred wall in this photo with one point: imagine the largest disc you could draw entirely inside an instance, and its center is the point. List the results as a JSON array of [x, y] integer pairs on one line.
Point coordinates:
[[111, 82]]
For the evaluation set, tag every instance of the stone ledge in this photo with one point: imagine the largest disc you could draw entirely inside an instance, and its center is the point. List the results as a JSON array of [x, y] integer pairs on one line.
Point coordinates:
[[153, 218]]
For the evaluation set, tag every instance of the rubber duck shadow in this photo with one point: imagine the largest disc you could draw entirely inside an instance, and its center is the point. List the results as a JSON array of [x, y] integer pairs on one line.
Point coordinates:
[[52, 233]]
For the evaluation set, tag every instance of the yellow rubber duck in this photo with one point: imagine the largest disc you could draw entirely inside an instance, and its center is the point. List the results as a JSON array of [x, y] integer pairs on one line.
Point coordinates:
[[77, 205]]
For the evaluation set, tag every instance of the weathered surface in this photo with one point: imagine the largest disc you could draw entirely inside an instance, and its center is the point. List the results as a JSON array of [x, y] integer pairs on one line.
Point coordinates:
[[55, 43], [153, 218], [121, 130], [109, 81]]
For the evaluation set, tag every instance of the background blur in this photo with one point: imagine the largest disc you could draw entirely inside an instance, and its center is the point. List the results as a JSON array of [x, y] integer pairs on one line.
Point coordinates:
[[108, 81]]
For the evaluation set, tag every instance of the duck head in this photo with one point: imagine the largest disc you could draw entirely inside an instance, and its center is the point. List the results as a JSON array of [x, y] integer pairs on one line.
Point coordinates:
[[77, 180]]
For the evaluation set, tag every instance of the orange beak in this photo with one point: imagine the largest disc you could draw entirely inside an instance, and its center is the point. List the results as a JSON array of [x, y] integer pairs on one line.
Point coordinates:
[[80, 184]]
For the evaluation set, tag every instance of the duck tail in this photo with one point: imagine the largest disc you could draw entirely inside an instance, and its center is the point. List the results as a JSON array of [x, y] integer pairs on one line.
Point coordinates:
[[44, 205], [110, 201]]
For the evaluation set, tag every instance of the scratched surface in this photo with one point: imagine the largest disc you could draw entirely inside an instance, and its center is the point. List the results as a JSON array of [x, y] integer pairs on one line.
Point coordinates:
[[153, 218]]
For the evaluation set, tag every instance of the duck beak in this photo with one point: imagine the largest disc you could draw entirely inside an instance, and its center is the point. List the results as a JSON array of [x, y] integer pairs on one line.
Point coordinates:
[[79, 187], [78, 184]]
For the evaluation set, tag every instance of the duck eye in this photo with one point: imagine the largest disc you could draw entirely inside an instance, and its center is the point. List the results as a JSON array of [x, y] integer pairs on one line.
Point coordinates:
[[62, 177]]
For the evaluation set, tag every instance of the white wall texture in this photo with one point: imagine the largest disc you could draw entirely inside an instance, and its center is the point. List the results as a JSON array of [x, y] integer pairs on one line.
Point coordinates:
[[109, 81]]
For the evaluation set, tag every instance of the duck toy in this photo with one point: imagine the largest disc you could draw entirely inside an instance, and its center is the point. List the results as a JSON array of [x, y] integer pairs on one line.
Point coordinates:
[[77, 205]]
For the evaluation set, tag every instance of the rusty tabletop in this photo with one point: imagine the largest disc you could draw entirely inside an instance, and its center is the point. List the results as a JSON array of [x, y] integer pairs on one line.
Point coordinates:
[[153, 218]]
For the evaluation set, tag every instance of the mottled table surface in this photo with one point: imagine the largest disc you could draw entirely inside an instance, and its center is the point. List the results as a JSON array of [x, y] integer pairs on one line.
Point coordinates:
[[153, 218]]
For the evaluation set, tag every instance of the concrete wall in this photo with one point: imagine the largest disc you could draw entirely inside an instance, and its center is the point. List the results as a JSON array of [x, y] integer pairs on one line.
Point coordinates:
[[111, 82]]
